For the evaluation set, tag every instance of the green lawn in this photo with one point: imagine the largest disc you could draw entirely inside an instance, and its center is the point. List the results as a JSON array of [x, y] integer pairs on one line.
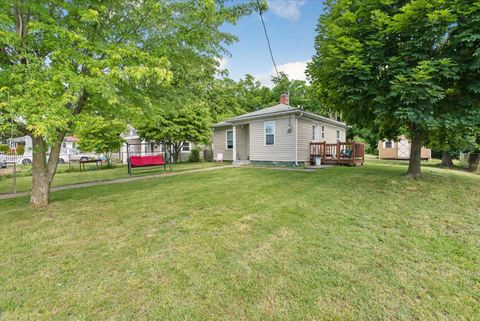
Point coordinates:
[[342, 243], [71, 175]]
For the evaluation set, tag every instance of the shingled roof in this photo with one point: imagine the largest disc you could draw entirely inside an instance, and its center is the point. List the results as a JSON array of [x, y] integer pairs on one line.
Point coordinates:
[[280, 109]]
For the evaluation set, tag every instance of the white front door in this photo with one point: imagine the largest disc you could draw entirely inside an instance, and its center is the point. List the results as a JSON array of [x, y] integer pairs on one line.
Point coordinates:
[[403, 149]]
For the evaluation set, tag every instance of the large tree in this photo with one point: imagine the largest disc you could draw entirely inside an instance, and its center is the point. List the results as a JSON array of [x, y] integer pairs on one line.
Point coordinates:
[[188, 122], [252, 95], [400, 66], [300, 93], [222, 98], [61, 59], [453, 137]]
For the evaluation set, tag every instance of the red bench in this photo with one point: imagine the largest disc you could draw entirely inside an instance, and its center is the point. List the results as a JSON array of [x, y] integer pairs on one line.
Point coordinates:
[[141, 161], [144, 161]]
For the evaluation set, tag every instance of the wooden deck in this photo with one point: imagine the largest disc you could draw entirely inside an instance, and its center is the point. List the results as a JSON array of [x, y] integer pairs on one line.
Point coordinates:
[[341, 153]]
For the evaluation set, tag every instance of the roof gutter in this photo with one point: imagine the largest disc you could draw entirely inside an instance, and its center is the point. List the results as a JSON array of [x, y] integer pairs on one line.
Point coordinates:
[[242, 119]]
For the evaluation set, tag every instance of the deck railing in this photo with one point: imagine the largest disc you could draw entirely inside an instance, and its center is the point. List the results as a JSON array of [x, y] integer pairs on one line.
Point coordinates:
[[352, 153]]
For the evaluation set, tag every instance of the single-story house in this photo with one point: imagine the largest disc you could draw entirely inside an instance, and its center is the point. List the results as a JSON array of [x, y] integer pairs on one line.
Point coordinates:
[[70, 145], [26, 141], [278, 134], [391, 149]]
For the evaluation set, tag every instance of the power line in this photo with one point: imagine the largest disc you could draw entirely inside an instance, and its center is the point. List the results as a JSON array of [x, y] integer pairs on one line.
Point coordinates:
[[266, 36]]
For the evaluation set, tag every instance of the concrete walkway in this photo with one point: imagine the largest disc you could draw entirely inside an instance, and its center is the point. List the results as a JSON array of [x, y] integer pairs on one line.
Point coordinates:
[[116, 181]]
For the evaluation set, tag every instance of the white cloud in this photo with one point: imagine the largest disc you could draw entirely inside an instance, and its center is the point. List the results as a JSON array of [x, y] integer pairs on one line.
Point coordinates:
[[295, 70], [289, 9]]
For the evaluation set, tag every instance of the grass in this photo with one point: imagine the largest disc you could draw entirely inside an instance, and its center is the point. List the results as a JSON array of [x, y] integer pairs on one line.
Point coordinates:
[[342, 243], [432, 163], [71, 175]]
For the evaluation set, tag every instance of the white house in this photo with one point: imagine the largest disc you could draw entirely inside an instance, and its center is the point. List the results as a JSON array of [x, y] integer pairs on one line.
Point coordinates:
[[278, 134], [26, 141], [70, 145], [139, 146]]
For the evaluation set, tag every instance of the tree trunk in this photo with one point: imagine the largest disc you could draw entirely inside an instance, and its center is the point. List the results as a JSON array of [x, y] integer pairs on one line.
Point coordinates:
[[414, 165], [40, 181], [447, 159], [176, 153], [43, 171]]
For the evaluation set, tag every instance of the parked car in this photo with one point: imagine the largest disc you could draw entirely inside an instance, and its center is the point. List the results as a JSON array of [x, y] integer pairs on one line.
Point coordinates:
[[3, 161], [27, 159], [63, 159], [81, 157]]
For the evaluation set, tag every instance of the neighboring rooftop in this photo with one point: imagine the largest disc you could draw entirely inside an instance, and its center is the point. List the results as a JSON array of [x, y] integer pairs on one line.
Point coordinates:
[[71, 139]]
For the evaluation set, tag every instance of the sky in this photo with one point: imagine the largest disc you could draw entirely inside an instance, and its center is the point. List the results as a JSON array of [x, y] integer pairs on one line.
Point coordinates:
[[291, 28]]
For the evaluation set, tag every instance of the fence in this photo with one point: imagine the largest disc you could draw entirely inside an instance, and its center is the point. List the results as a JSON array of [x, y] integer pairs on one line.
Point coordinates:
[[11, 158]]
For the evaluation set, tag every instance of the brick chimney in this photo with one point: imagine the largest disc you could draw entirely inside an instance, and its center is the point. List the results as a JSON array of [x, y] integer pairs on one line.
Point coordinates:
[[284, 99]]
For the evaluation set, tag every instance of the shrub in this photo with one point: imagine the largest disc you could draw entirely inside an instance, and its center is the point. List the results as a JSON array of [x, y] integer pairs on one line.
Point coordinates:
[[20, 150], [195, 155], [4, 148]]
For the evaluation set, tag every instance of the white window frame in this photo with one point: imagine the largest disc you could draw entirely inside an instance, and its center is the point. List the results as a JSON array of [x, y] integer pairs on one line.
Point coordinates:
[[338, 134], [388, 141], [189, 147], [265, 124], [314, 133], [323, 132], [226, 139]]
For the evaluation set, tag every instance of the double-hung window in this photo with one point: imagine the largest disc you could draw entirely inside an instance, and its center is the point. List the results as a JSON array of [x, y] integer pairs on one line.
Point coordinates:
[[338, 134], [186, 146], [323, 132], [229, 139], [314, 133], [269, 127]]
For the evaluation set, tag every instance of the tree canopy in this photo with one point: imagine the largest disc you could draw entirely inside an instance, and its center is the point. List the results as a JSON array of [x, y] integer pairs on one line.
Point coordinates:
[[187, 122], [400, 66], [63, 59], [228, 98], [100, 135]]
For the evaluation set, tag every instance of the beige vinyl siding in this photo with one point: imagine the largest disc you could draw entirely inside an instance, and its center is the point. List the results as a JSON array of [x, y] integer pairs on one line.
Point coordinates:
[[250, 139], [305, 136], [220, 143], [331, 134], [242, 140], [284, 147]]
